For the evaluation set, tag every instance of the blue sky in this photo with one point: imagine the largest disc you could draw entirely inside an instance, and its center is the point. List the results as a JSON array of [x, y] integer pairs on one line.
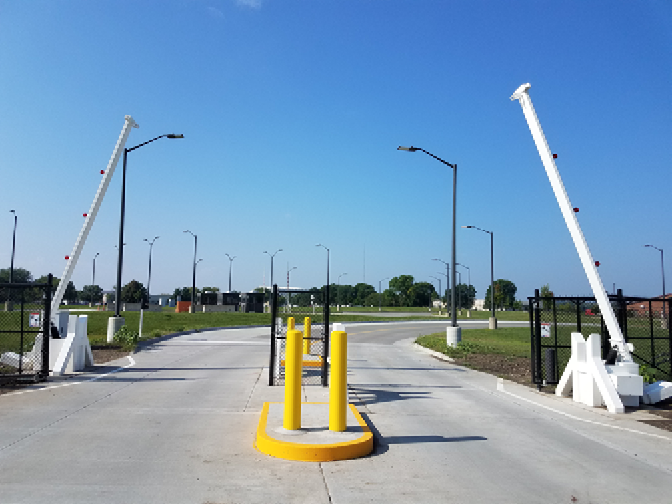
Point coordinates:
[[292, 111]]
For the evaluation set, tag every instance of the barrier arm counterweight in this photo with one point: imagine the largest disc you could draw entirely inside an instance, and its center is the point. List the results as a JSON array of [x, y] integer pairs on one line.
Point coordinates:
[[521, 94], [91, 216]]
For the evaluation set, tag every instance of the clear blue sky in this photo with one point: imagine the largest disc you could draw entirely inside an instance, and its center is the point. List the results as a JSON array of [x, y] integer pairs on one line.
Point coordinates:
[[292, 111]]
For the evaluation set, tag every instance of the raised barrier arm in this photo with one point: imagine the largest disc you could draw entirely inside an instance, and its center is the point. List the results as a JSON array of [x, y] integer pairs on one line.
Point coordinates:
[[521, 94], [91, 216]]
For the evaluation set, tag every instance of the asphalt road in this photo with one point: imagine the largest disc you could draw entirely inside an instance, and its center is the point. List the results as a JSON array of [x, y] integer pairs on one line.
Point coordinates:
[[176, 424]]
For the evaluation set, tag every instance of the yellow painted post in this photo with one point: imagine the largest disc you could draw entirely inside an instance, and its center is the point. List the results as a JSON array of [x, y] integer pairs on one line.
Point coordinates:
[[338, 383], [293, 361], [290, 323], [306, 335]]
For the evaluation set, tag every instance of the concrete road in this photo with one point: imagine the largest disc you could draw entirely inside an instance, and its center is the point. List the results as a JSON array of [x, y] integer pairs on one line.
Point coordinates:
[[176, 425]]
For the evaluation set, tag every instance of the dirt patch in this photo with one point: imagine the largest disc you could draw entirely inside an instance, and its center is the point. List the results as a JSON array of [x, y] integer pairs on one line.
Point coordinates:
[[107, 353]]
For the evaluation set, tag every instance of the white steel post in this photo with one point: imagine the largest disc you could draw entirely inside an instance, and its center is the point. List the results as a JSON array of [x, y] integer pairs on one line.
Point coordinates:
[[521, 94], [91, 216]]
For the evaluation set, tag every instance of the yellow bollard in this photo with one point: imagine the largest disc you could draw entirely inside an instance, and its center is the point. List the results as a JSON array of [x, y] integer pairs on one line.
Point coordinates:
[[290, 324], [338, 384], [306, 335], [293, 361]]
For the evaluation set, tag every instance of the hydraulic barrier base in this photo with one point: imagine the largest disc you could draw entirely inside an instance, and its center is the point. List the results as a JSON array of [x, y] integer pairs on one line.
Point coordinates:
[[313, 442]]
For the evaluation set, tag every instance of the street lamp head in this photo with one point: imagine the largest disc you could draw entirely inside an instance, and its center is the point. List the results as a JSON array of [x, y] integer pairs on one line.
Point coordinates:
[[13, 211], [409, 149], [467, 227], [173, 135]]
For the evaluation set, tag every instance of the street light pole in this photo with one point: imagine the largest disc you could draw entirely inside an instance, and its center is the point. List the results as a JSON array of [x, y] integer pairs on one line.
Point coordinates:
[[120, 258], [380, 293], [326, 303], [468, 286], [93, 279], [492, 324], [11, 266], [272, 256], [149, 274], [439, 280], [338, 301], [230, 265], [448, 291], [193, 273], [453, 314], [662, 269]]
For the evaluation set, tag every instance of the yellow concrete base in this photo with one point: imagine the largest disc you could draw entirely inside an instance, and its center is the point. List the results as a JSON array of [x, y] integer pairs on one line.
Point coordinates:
[[314, 442]]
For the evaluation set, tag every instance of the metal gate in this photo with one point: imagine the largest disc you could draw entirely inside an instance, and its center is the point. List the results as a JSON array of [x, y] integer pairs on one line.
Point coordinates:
[[299, 305], [643, 321], [24, 331]]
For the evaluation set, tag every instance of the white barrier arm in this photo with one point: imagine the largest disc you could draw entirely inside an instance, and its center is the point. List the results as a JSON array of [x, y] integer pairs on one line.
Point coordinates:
[[521, 94], [91, 216]]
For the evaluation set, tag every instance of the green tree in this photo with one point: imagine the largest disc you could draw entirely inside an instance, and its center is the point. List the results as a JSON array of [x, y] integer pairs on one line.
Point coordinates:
[[505, 294], [70, 295], [465, 296], [401, 286], [20, 276], [133, 292], [185, 293], [421, 294], [546, 292], [91, 293], [362, 292]]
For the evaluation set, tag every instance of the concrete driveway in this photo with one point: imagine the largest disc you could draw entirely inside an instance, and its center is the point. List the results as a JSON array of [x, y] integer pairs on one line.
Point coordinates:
[[176, 424]]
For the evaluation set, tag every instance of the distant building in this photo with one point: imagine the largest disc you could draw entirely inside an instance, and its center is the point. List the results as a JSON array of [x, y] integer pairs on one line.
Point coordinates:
[[479, 304], [642, 307]]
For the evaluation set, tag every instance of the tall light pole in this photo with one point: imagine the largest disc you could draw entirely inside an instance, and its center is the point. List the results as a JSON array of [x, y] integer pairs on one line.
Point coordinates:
[[272, 256], [453, 320], [120, 258], [193, 273], [662, 269], [230, 265], [469, 280], [288, 271], [492, 324], [326, 303], [448, 291], [11, 265], [149, 274], [338, 293], [439, 280], [93, 278], [380, 292]]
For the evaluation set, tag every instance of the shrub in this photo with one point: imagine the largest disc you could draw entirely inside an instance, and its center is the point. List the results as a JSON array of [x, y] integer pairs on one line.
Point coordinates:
[[127, 338]]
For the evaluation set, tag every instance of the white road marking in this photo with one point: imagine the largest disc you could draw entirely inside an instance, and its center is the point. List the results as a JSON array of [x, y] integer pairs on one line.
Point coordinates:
[[69, 384], [500, 388]]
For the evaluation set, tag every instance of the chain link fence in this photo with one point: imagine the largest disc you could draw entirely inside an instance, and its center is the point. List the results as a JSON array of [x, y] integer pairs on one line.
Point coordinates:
[[643, 321], [316, 345], [24, 331]]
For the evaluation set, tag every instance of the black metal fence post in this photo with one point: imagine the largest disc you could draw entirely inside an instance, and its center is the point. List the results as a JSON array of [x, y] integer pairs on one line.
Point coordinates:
[[274, 313], [325, 350], [46, 328]]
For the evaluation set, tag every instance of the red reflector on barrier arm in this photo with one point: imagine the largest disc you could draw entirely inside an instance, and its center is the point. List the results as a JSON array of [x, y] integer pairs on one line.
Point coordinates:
[[102, 172], [67, 258], [84, 215], [576, 209], [597, 263], [555, 156]]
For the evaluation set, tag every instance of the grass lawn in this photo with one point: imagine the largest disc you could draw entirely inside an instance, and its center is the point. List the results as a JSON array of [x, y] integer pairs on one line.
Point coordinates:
[[509, 341]]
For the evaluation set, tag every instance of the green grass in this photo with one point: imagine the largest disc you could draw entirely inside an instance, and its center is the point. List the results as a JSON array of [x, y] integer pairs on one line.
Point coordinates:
[[510, 341]]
